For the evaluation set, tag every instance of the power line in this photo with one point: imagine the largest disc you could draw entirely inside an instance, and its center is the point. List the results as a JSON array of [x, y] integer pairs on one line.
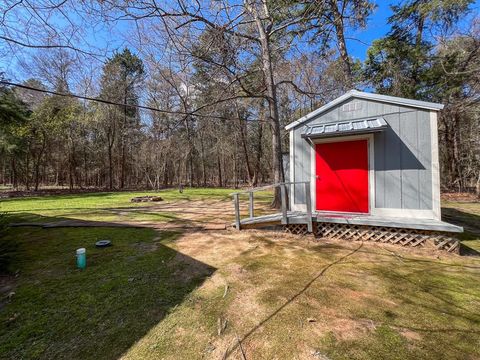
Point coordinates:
[[108, 102]]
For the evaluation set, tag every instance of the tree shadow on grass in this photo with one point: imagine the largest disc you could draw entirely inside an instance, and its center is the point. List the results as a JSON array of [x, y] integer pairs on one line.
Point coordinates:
[[59, 311], [290, 300], [470, 238], [60, 196], [113, 216], [435, 303]]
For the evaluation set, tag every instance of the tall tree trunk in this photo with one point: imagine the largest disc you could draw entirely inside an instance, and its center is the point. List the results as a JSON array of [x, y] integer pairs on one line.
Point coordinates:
[[110, 168], [259, 153], [70, 172], [37, 175], [3, 169], [219, 169], [71, 162], [477, 185], [271, 95], [456, 165], [110, 142], [165, 171], [14, 173], [27, 170], [342, 46], [189, 164], [235, 166], [122, 167], [243, 139], [122, 140], [418, 50], [204, 161], [451, 149], [85, 167]]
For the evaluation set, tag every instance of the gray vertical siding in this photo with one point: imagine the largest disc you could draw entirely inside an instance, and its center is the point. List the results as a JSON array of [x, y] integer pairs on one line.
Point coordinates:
[[301, 166], [389, 169], [409, 171], [424, 156], [402, 154]]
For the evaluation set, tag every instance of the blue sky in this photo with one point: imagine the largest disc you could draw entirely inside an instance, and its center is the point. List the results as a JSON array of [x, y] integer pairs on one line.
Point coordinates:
[[114, 37], [376, 28]]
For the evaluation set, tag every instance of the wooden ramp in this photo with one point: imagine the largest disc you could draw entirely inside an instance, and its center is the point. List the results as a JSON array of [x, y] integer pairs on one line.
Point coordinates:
[[293, 217]]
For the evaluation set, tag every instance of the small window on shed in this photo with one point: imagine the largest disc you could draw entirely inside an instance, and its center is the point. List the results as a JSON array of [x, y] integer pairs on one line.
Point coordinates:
[[352, 106]]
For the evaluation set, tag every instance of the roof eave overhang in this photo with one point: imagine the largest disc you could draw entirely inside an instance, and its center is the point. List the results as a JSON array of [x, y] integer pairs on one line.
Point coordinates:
[[368, 96]]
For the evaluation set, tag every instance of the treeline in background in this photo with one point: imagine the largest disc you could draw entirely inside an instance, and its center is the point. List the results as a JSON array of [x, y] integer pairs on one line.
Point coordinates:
[[202, 93]]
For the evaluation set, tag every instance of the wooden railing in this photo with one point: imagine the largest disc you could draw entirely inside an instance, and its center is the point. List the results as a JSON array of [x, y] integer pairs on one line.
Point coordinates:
[[284, 202]]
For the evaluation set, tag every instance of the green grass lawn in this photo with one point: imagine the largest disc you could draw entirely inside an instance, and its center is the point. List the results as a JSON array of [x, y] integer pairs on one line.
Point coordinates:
[[59, 311], [160, 294], [466, 214], [105, 206]]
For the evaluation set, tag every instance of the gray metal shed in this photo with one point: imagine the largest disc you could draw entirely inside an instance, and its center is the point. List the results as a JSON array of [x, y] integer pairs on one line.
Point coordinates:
[[402, 149], [362, 167]]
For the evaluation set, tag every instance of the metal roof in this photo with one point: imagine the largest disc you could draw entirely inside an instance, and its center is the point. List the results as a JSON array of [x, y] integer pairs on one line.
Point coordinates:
[[368, 96], [345, 128]]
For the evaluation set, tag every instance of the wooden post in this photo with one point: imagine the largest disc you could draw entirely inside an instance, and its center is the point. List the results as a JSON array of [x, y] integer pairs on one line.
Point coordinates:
[[283, 191], [308, 199], [236, 201], [250, 204]]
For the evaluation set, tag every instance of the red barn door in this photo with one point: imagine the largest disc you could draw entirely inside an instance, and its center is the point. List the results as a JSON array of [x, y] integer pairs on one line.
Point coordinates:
[[342, 176]]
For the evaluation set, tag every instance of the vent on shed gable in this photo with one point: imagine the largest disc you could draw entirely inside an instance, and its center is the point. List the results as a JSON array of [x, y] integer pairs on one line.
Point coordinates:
[[352, 106]]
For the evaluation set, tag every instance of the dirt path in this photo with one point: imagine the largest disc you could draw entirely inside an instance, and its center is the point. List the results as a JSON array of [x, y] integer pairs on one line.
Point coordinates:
[[190, 216]]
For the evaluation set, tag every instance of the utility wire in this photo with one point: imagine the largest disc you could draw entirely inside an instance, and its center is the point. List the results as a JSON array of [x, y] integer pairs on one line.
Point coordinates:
[[108, 102]]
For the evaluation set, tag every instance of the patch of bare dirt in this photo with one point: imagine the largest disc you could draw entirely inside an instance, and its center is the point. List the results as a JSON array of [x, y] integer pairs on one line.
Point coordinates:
[[228, 244], [410, 334], [307, 352], [326, 320], [246, 307], [349, 329], [460, 197], [195, 215]]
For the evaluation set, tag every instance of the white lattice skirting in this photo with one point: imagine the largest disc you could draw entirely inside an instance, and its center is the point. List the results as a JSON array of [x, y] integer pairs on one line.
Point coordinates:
[[387, 235]]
